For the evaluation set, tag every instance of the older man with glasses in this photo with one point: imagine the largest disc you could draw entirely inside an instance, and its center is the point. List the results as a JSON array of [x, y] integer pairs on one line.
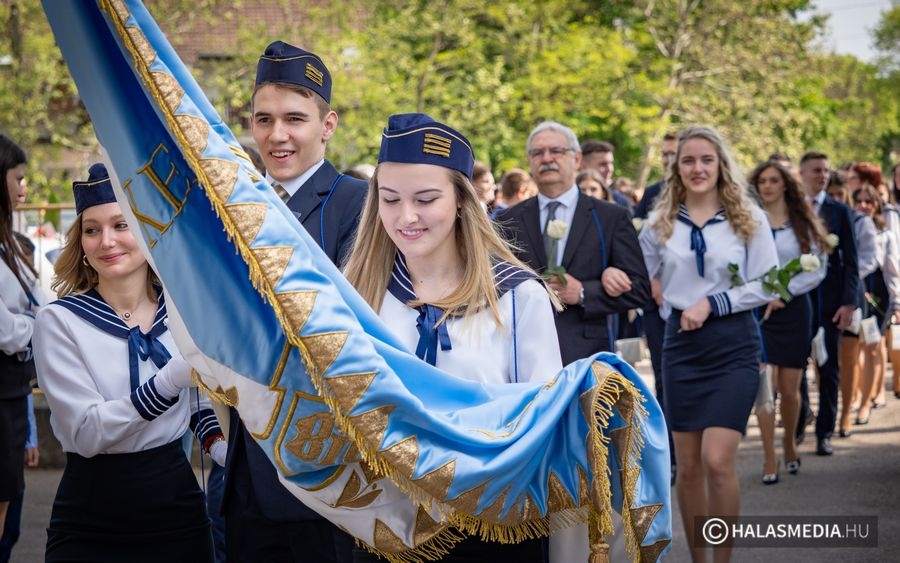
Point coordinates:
[[597, 268]]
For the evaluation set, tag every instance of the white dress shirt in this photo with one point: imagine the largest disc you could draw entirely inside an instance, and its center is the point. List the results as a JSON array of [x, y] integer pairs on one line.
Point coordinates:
[[565, 213]]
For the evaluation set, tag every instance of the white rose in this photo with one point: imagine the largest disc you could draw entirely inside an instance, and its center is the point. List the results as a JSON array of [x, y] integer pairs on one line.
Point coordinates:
[[638, 224], [556, 229], [809, 262], [832, 241]]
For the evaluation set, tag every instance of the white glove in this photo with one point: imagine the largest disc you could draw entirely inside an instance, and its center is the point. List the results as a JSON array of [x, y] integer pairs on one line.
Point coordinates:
[[218, 451], [173, 377]]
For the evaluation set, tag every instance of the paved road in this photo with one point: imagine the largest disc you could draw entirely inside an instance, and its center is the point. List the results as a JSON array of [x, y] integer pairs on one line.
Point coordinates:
[[861, 479]]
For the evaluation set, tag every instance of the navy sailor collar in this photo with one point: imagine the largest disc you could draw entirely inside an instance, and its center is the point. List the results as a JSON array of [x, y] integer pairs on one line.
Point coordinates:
[[91, 307]]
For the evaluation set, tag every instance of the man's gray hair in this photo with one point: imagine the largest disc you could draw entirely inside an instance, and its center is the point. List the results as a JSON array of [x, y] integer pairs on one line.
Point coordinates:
[[558, 127]]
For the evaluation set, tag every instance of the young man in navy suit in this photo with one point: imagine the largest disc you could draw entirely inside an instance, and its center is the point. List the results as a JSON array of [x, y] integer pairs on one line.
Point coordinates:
[[599, 250], [836, 297], [292, 121]]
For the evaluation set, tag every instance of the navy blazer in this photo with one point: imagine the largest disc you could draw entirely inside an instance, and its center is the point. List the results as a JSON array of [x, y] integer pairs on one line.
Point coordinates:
[[841, 285], [324, 205], [648, 200], [583, 331]]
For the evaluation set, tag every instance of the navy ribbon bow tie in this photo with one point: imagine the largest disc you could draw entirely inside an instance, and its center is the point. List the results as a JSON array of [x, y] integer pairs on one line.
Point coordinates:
[[698, 243], [430, 333], [140, 347]]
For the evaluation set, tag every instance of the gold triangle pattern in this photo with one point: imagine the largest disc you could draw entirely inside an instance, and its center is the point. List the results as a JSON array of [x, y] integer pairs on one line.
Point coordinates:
[[642, 517], [145, 51], [171, 91], [272, 261], [121, 10], [618, 438], [467, 502], [584, 487], [426, 527], [404, 454], [492, 512], [324, 348], [222, 175], [386, 540], [248, 217], [297, 305], [228, 396], [650, 553], [349, 388], [373, 424], [437, 481], [558, 498], [195, 129]]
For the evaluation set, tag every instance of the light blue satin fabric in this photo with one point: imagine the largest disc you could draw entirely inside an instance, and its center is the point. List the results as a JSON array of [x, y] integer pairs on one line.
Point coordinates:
[[511, 436]]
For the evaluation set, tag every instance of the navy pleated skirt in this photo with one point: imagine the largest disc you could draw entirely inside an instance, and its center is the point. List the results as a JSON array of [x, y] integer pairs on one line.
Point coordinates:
[[137, 507], [711, 375], [787, 334]]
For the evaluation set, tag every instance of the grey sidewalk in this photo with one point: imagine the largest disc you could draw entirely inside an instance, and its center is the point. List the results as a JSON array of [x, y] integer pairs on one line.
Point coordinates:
[[862, 478]]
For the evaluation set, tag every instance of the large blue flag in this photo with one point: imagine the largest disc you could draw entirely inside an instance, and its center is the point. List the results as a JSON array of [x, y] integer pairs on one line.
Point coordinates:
[[386, 446]]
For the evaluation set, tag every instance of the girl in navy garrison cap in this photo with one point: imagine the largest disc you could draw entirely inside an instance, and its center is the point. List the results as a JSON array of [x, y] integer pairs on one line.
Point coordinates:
[[427, 258], [119, 398]]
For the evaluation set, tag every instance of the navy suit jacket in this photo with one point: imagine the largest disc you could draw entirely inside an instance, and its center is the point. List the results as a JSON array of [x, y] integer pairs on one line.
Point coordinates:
[[841, 285], [642, 211], [582, 331], [336, 206]]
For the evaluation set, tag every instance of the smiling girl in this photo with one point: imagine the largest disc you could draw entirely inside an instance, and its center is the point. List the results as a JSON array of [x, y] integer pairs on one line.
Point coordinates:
[[703, 222], [119, 397], [429, 261]]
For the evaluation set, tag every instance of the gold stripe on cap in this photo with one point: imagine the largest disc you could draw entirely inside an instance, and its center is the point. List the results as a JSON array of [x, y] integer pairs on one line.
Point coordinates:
[[314, 74], [435, 144]]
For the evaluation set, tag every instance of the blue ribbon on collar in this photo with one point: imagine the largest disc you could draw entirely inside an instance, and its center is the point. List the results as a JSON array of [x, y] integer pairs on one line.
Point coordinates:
[[430, 333], [141, 347], [698, 243], [91, 307], [506, 277]]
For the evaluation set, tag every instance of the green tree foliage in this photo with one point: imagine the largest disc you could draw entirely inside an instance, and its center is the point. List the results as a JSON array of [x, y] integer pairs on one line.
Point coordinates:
[[626, 71]]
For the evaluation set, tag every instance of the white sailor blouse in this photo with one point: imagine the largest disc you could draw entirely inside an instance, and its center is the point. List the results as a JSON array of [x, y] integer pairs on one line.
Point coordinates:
[[16, 309], [694, 263], [98, 377], [524, 349]]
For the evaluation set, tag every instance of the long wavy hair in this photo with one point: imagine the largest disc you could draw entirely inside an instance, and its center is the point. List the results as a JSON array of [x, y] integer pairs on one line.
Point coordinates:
[[12, 253], [806, 225], [733, 195], [369, 265], [72, 274]]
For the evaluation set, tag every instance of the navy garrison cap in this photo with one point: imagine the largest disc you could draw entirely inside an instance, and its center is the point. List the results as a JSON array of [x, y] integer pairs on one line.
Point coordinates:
[[96, 190], [416, 138], [286, 64]]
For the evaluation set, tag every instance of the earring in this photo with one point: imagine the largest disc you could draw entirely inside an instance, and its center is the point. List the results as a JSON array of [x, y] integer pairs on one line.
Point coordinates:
[[459, 213], [84, 260]]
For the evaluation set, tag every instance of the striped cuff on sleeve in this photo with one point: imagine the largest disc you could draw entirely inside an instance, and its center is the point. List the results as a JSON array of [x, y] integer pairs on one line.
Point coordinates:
[[206, 427], [720, 303], [149, 402]]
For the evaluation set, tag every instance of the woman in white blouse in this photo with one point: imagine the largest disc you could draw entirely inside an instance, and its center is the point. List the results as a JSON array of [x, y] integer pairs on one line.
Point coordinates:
[[787, 326], [703, 233], [882, 299], [429, 261], [20, 297], [119, 399]]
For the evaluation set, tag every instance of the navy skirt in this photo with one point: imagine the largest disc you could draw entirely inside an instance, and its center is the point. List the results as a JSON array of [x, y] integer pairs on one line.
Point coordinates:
[[711, 375], [137, 507], [787, 334]]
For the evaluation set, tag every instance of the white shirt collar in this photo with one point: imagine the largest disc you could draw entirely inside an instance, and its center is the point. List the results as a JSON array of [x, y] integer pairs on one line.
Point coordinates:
[[569, 198], [291, 186]]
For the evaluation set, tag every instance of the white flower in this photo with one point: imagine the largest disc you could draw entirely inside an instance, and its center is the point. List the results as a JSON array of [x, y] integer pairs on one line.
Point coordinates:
[[638, 224], [832, 241], [809, 262], [556, 229]]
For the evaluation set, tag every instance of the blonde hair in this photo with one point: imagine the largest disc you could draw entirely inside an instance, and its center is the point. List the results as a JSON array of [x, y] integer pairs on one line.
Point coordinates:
[[369, 265], [733, 194], [72, 275]]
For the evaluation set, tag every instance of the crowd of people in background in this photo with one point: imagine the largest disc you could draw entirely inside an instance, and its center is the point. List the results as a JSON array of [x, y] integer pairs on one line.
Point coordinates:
[[587, 259]]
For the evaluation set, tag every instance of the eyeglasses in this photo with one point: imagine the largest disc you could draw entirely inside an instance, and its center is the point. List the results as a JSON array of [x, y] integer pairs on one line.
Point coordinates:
[[555, 152]]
